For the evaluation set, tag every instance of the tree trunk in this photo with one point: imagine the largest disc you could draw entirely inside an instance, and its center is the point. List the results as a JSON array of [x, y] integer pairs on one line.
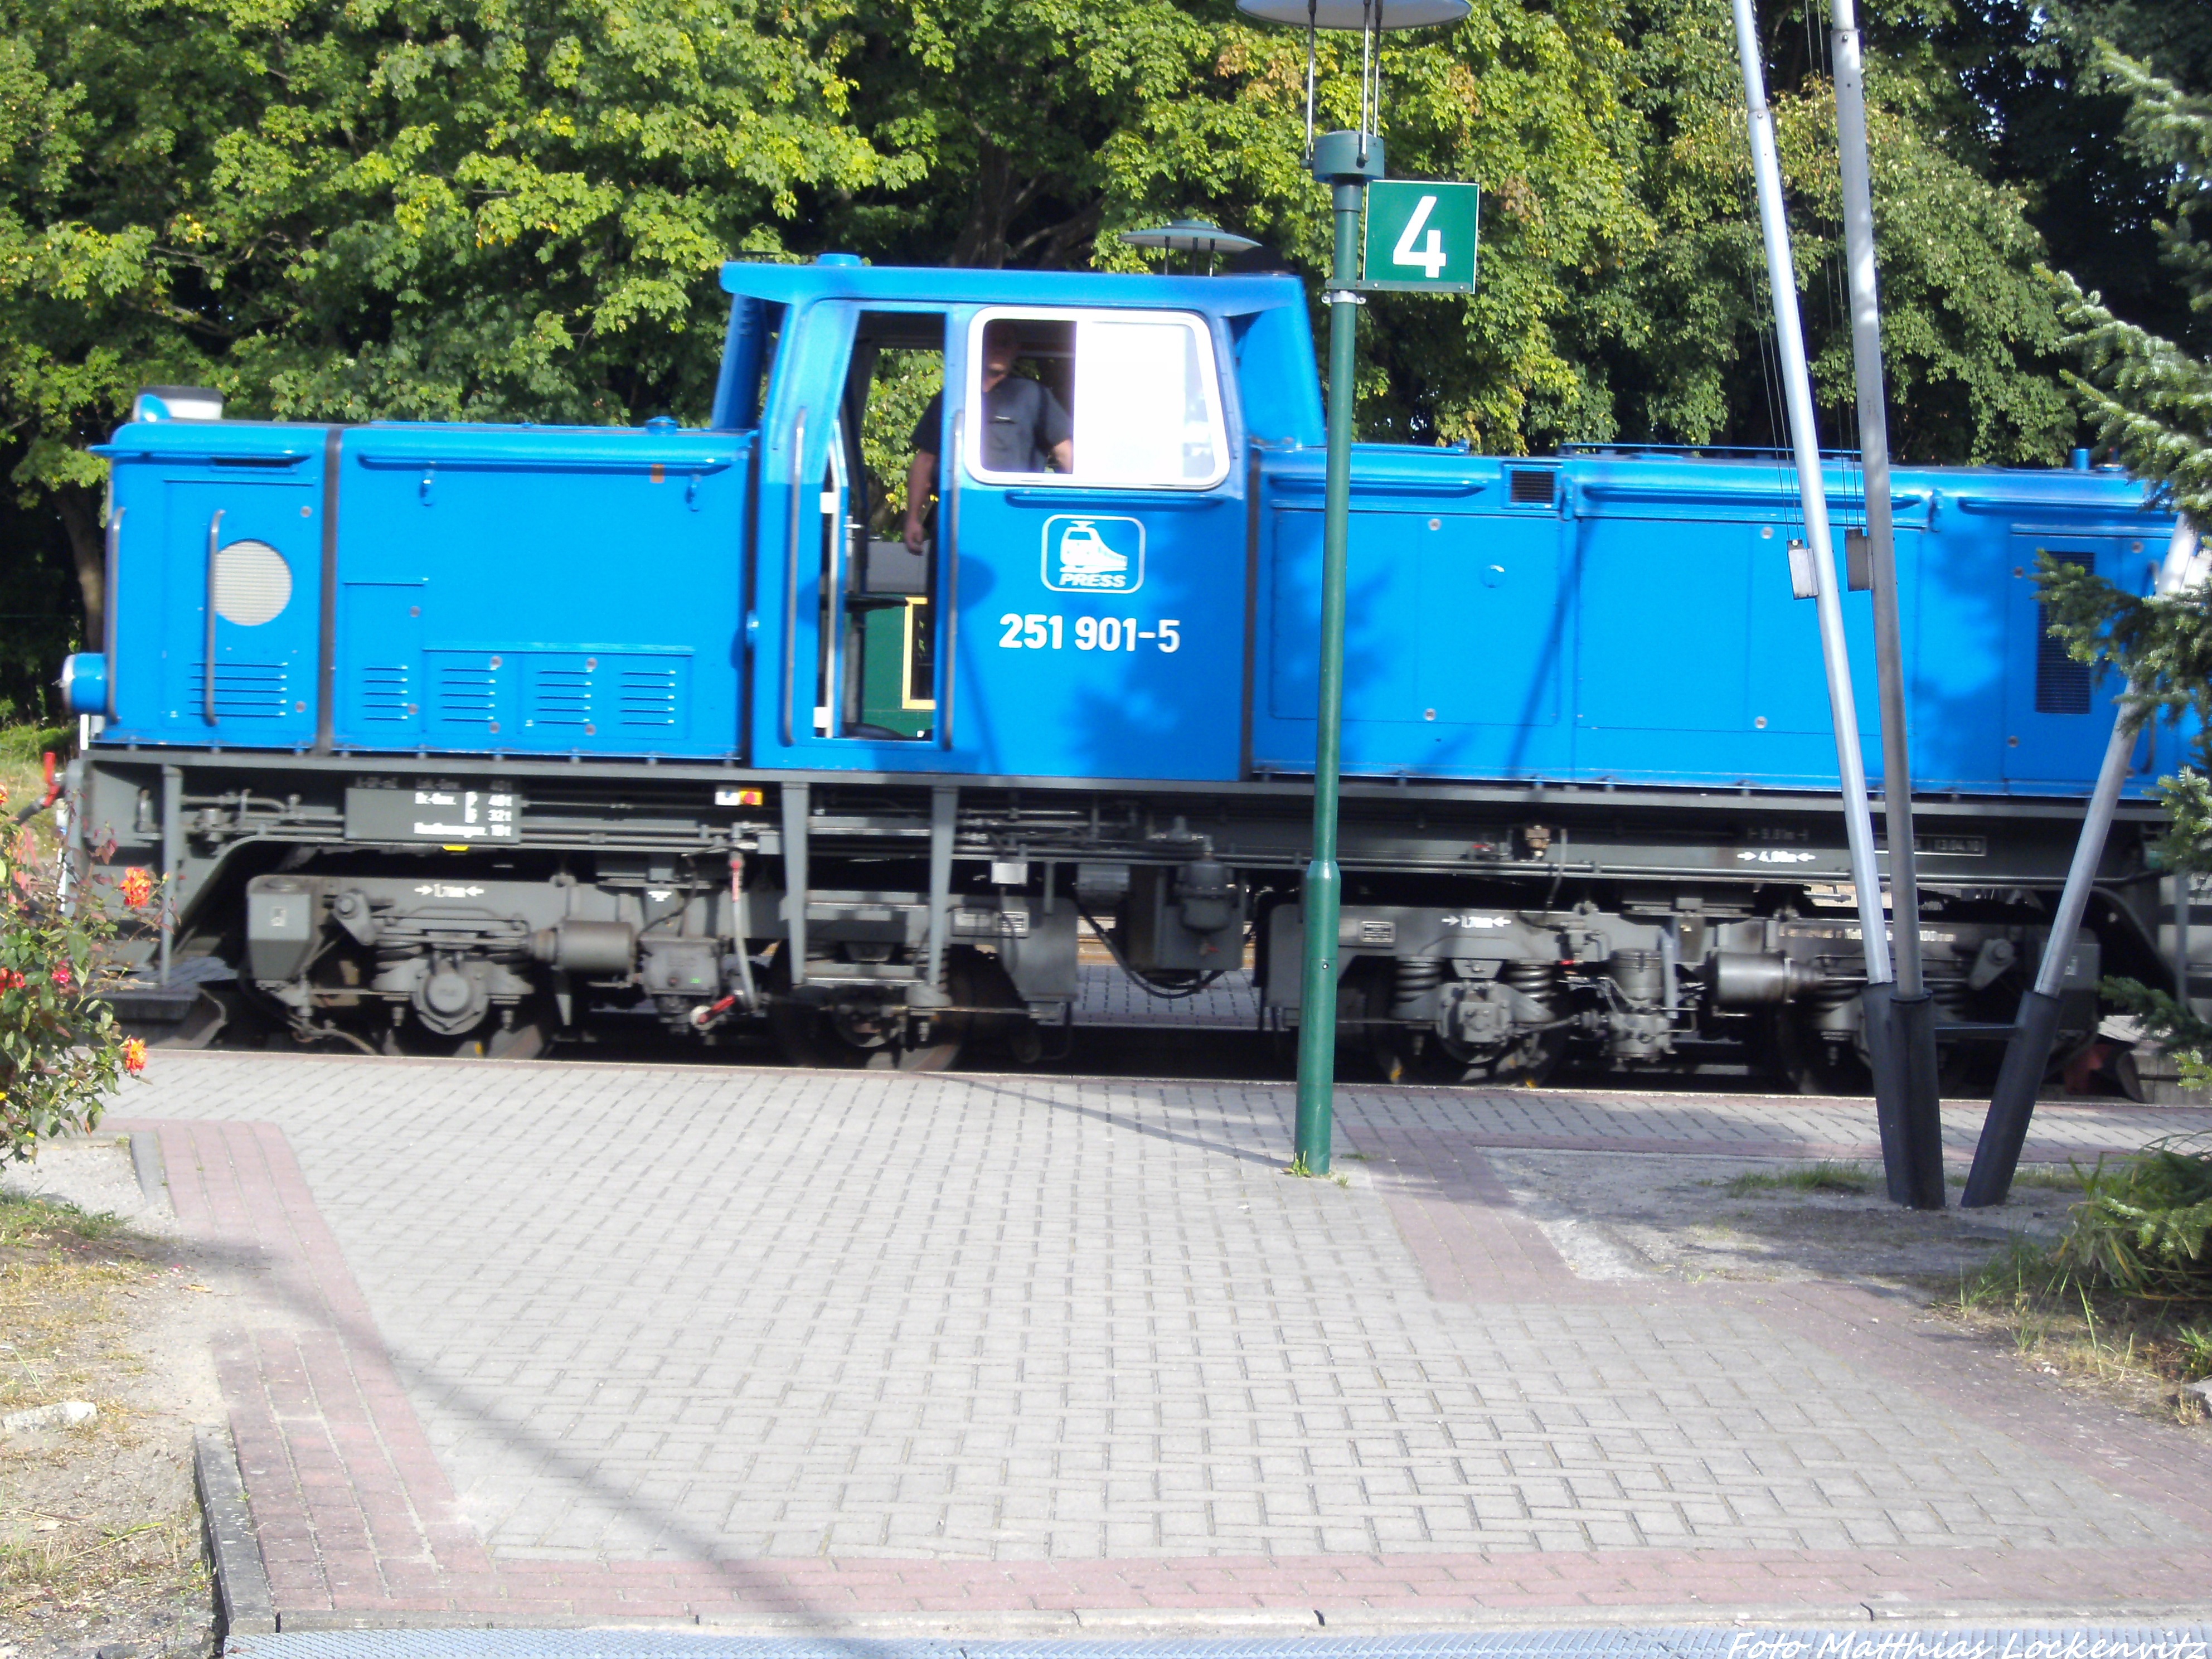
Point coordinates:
[[982, 243], [80, 513]]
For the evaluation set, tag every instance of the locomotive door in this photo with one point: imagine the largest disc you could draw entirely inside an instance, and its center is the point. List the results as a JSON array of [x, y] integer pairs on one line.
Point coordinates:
[[851, 678], [249, 604], [2058, 711], [1099, 585]]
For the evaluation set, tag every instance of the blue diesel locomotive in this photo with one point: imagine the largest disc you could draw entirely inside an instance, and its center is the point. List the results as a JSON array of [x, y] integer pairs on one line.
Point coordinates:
[[443, 734]]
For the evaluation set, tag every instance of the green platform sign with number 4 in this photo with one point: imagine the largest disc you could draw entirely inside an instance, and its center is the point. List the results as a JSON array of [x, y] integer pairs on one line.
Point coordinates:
[[1421, 236]]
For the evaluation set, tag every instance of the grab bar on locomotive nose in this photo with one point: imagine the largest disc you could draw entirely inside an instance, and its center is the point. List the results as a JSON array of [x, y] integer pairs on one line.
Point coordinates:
[[948, 557], [215, 530], [791, 575]]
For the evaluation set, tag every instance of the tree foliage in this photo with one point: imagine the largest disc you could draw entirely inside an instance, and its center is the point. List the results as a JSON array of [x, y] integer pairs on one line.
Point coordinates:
[[487, 210], [2152, 402], [346, 209]]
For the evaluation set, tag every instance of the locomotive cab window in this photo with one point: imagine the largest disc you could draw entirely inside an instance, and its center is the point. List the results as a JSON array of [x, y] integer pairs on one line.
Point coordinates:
[[1114, 400]]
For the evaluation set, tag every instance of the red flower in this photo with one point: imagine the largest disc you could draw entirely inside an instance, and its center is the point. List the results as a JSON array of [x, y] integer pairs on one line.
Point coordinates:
[[62, 976], [137, 886], [134, 1056]]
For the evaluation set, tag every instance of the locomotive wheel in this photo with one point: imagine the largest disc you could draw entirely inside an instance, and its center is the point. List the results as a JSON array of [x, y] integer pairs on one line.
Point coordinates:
[[412, 1039], [1528, 1065], [1812, 1067], [992, 987], [528, 1037], [1405, 1055], [811, 1037]]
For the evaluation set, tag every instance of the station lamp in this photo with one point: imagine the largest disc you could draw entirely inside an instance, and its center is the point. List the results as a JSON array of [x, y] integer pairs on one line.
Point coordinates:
[[1347, 162], [1191, 236]]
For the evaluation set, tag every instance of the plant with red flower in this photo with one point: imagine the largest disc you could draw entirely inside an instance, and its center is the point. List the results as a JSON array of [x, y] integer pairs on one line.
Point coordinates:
[[61, 1054]]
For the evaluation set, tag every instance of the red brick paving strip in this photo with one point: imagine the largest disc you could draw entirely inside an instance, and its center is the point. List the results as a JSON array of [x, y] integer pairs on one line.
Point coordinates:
[[356, 1520], [1472, 1242]]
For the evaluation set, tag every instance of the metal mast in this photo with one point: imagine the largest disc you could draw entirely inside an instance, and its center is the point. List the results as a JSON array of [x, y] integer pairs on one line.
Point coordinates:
[[1900, 1018], [1797, 382]]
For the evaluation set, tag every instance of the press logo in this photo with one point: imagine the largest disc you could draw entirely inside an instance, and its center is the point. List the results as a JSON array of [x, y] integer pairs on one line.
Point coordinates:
[[1094, 555]]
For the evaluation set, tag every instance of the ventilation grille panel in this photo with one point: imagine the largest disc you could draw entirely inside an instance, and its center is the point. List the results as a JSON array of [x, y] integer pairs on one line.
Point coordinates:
[[648, 697], [467, 694], [2061, 685], [384, 694], [243, 690], [560, 695], [1530, 486]]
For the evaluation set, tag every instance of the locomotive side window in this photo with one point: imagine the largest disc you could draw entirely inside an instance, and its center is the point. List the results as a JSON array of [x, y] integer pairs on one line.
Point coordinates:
[[1118, 399]]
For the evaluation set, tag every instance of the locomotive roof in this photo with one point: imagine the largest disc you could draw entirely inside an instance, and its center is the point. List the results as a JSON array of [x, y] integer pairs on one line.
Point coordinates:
[[832, 279]]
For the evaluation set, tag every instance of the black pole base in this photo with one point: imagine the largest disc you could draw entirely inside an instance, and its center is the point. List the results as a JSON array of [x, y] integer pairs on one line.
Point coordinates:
[[1901, 1053], [1924, 1099], [2004, 1131]]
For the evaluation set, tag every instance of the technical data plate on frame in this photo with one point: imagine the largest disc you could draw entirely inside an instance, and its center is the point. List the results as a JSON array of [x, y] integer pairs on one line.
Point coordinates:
[[1421, 236], [443, 813]]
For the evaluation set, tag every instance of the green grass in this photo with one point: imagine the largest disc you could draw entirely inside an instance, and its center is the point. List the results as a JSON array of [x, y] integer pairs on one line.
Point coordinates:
[[2083, 1327], [2016, 1277], [23, 773], [28, 1220], [1822, 1177], [2042, 1178]]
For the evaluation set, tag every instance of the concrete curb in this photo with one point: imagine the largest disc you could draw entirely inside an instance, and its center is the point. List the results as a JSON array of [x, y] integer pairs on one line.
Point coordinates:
[[1256, 1625], [243, 1606], [146, 1163]]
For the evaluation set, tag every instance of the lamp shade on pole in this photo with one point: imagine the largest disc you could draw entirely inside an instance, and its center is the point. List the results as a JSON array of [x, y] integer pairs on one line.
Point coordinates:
[[1190, 236], [1356, 15]]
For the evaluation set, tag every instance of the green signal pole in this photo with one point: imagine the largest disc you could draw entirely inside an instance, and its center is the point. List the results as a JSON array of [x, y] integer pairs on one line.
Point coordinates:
[[1345, 161]]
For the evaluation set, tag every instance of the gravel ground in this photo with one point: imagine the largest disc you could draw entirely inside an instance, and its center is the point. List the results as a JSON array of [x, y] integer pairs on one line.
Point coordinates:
[[99, 1543], [1617, 1215]]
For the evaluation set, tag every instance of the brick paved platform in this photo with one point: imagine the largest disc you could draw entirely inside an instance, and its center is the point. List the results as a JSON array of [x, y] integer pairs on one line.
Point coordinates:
[[575, 1341]]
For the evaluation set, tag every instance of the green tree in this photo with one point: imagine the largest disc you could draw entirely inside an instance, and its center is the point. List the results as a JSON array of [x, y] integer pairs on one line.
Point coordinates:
[[431, 209], [2152, 402], [2032, 94]]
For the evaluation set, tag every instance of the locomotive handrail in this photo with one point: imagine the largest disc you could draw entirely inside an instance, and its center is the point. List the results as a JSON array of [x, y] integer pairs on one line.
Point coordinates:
[[1294, 485], [791, 575], [107, 600], [1596, 490], [544, 460], [948, 553], [201, 457], [1983, 501], [215, 530]]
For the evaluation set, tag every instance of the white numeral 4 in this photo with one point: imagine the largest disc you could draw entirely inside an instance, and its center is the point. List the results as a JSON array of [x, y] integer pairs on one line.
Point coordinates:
[[1430, 255]]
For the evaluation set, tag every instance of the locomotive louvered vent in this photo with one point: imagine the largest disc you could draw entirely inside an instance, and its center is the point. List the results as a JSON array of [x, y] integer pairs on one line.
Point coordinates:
[[252, 584], [560, 695], [466, 693], [384, 693], [2061, 685], [1530, 486], [648, 696], [243, 690]]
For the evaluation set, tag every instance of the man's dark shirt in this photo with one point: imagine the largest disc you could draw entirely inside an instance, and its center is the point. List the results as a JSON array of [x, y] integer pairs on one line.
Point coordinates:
[[1022, 424]]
